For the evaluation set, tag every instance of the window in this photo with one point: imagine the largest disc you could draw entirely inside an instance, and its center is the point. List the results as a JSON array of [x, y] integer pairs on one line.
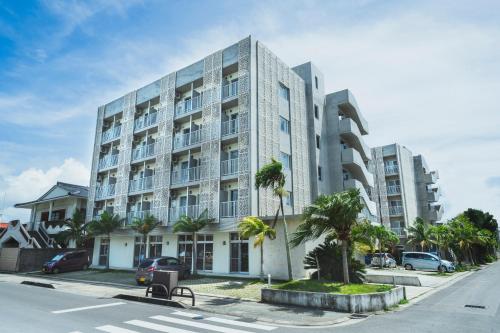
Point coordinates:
[[286, 160], [316, 81], [289, 199], [319, 173], [239, 254], [316, 111], [204, 252], [284, 125], [284, 92], [318, 138], [155, 246], [103, 251], [139, 250], [185, 249]]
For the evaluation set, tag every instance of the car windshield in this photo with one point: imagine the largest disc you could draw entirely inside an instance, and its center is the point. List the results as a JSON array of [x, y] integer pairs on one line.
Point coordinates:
[[146, 263], [57, 258]]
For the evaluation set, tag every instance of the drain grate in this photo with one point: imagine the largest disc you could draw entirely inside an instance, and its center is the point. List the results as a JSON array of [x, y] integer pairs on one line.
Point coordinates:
[[475, 306], [358, 316]]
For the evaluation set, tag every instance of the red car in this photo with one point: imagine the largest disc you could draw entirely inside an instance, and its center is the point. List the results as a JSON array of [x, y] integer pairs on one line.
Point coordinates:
[[68, 261]]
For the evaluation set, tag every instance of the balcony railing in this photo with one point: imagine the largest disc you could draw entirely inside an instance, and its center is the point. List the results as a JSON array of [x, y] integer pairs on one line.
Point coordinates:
[[111, 133], [141, 184], [145, 121], [230, 90], [391, 169], [189, 105], [105, 191], [398, 231], [186, 175], [394, 189], [143, 152], [396, 210], [230, 127], [140, 214], [228, 208], [229, 167], [192, 211], [188, 139], [108, 161]]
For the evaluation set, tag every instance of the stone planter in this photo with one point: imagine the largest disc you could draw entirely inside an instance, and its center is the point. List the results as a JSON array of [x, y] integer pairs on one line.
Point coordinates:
[[337, 302]]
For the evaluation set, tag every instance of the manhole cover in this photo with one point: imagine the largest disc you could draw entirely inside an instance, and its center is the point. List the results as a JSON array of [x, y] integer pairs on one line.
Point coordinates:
[[475, 306]]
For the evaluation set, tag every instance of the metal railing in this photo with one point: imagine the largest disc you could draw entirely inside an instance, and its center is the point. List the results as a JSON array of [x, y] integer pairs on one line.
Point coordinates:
[[188, 139], [394, 189], [104, 191], [145, 121], [186, 175], [398, 231], [108, 161], [230, 90], [131, 216], [229, 167], [143, 151], [396, 210], [391, 169], [230, 127], [189, 105], [228, 208], [192, 211], [141, 184], [111, 133]]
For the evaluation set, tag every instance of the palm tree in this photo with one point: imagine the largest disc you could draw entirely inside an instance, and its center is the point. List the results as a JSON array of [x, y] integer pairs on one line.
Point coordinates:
[[384, 237], [106, 224], [192, 225], [76, 229], [271, 176], [144, 226], [464, 235], [253, 226], [419, 233], [333, 216], [440, 236]]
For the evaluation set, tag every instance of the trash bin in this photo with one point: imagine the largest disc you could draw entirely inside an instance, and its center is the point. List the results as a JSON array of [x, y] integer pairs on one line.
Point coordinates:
[[167, 278]]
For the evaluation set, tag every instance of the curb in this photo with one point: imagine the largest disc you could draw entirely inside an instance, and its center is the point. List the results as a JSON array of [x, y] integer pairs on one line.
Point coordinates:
[[150, 300], [38, 284], [97, 283]]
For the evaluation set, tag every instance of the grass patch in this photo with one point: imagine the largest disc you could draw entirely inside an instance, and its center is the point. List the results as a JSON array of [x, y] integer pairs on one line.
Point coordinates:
[[403, 301], [332, 287]]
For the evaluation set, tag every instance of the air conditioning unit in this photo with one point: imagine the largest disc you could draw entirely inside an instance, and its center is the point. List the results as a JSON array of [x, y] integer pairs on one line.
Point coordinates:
[[99, 179], [175, 160], [131, 200], [104, 150], [173, 196], [139, 112], [133, 169], [137, 141], [146, 199], [177, 95], [177, 128]]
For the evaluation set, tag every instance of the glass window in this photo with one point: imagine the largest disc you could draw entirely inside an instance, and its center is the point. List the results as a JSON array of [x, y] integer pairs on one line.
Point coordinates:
[[319, 173], [204, 252], [316, 111], [185, 249], [239, 254], [155, 245], [316, 82], [318, 138], [284, 125], [103, 251], [284, 92], [289, 199], [286, 160], [139, 250]]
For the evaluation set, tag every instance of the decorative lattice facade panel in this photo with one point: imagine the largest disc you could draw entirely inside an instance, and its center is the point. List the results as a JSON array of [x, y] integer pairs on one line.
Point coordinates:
[[95, 163]]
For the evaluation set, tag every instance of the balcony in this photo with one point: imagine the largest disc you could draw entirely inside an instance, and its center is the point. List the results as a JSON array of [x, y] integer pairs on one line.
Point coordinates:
[[145, 121], [353, 162], [391, 170], [230, 90], [348, 105], [395, 210], [105, 191], [436, 212], [230, 127], [192, 211], [229, 167], [184, 176], [356, 184], [108, 161], [111, 134], [393, 189], [189, 105], [142, 152], [432, 196], [140, 184], [131, 216], [431, 177], [188, 139], [401, 232], [228, 208], [350, 133]]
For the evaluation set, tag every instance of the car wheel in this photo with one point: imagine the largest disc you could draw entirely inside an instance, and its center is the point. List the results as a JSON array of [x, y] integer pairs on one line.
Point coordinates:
[[408, 267], [442, 269], [55, 270], [85, 266], [139, 283]]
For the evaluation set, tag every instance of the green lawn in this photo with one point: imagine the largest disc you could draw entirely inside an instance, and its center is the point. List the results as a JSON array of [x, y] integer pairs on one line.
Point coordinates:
[[332, 287]]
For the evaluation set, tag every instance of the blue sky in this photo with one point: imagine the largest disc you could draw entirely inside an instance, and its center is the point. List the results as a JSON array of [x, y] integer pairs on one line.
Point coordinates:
[[425, 73]]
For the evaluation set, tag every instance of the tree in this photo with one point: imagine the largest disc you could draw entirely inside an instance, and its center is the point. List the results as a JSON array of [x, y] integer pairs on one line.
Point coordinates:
[[463, 236], [192, 225], [76, 230], [144, 226], [363, 233], [440, 236], [106, 224], [253, 226], [384, 237], [483, 221], [333, 216], [271, 176], [418, 234]]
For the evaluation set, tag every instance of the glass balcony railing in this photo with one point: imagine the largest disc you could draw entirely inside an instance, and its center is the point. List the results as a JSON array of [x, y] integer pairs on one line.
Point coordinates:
[[140, 214], [108, 161], [228, 208], [229, 167], [396, 210], [189, 105], [105, 191], [230, 127], [140, 184], [146, 121], [398, 231], [186, 175], [230, 90], [143, 151], [188, 139], [394, 189], [391, 169], [192, 211], [111, 133]]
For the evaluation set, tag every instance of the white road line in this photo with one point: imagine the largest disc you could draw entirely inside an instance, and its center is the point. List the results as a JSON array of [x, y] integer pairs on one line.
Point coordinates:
[[114, 329], [198, 325], [88, 307], [187, 314], [156, 327], [241, 323]]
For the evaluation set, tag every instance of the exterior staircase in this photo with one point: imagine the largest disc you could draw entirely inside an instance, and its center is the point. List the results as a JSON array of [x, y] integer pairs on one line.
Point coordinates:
[[36, 238]]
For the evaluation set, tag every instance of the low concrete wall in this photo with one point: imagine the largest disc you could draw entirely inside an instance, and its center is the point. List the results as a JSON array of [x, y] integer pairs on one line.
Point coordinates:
[[400, 280], [344, 303]]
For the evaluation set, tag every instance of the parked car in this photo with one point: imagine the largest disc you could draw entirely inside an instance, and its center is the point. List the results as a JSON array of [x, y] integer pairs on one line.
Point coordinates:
[[387, 260], [426, 261], [144, 273], [68, 261]]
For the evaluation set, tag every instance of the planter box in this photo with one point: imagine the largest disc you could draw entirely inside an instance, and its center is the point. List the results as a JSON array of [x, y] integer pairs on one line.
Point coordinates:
[[344, 303]]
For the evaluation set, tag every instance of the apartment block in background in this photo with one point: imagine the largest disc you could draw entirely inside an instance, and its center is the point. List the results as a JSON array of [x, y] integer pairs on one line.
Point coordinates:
[[428, 191]]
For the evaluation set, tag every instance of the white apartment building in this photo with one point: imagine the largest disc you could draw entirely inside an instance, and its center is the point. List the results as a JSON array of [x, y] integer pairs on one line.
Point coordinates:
[[193, 141]]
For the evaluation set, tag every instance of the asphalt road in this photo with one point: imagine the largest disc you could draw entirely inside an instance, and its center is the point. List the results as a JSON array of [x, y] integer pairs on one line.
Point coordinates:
[[26, 309]]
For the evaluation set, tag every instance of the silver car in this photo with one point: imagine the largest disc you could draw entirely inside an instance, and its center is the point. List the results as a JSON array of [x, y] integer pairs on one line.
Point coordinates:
[[426, 261]]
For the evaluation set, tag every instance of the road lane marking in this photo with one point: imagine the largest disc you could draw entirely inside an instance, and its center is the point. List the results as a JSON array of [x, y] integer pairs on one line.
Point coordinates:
[[114, 329], [157, 327], [88, 307], [187, 314], [241, 323], [198, 325]]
